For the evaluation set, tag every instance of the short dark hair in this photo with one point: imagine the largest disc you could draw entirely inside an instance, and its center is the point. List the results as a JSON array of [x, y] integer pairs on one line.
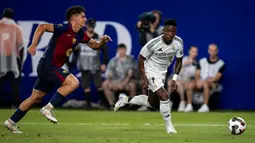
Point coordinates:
[[91, 22], [193, 46], [74, 10], [170, 22], [122, 46], [8, 13]]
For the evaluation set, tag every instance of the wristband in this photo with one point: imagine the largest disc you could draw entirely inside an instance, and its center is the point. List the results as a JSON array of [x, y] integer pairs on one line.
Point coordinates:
[[175, 77]]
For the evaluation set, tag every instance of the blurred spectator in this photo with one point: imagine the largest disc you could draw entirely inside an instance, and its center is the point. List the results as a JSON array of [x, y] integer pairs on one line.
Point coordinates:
[[11, 54], [89, 64], [186, 76], [149, 26], [208, 75], [120, 73]]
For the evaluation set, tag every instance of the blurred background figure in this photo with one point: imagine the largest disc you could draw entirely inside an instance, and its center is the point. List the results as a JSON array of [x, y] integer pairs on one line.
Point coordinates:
[[120, 75], [11, 54], [90, 66], [186, 76], [148, 26], [208, 75]]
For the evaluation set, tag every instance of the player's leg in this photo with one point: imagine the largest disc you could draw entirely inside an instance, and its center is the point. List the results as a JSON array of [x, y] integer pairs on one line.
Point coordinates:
[[40, 90], [190, 88], [142, 100], [165, 109], [132, 99], [67, 83], [206, 93], [68, 86], [85, 81]]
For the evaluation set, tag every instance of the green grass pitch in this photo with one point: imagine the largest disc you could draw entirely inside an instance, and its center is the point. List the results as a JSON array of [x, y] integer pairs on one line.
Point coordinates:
[[79, 126]]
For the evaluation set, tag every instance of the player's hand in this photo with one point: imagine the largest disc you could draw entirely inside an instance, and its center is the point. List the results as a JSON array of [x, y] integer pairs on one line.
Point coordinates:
[[32, 50], [174, 86], [106, 38], [145, 82]]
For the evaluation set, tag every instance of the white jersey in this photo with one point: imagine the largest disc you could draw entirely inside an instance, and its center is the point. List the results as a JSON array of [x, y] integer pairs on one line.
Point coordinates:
[[159, 56]]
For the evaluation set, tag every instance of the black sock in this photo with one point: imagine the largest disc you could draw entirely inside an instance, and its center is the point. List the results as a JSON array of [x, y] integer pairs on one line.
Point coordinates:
[[57, 99], [18, 115], [87, 98]]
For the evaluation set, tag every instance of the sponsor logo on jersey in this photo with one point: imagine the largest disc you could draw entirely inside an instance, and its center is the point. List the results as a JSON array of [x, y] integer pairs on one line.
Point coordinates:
[[69, 51]]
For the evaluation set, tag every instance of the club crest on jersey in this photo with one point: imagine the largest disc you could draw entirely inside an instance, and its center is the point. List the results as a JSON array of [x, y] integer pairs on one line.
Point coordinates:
[[69, 51], [74, 40], [64, 71], [173, 47]]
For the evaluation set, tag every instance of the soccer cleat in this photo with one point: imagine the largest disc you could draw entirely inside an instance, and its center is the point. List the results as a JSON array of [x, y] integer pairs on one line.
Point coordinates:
[[181, 106], [123, 100], [12, 127], [189, 108], [170, 129], [204, 108], [49, 115]]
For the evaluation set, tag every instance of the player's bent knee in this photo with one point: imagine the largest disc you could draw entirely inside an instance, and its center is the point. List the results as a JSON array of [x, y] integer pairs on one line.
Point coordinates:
[[75, 84]]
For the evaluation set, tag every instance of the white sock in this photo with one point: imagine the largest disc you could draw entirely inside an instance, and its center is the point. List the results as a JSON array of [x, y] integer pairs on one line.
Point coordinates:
[[49, 106], [165, 111], [140, 100]]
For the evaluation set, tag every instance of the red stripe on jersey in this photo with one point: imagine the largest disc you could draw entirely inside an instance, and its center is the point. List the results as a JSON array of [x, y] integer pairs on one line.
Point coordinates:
[[61, 77]]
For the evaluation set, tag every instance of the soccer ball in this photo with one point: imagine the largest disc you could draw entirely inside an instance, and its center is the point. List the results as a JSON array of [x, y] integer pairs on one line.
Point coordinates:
[[236, 125]]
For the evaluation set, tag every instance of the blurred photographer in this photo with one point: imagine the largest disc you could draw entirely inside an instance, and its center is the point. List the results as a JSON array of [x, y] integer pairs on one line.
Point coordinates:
[[90, 66], [148, 26]]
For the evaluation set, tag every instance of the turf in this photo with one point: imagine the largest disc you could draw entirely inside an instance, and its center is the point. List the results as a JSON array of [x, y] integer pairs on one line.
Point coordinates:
[[79, 126]]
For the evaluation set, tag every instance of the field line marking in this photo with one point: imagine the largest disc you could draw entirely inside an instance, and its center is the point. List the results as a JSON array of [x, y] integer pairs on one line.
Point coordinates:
[[125, 124]]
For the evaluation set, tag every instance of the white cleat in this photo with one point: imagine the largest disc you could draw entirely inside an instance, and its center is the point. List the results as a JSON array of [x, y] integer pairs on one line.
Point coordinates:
[[12, 127], [170, 129], [49, 115], [204, 108], [123, 100], [181, 107], [189, 108]]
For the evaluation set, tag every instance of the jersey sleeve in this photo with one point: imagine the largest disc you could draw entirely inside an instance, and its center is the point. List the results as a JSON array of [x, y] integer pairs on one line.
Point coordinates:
[[179, 52], [60, 28], [85, 38], [222, 69], [147, 49]]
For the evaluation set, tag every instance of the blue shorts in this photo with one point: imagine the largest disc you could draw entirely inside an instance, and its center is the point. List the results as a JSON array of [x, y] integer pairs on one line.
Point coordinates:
[[49, 76]]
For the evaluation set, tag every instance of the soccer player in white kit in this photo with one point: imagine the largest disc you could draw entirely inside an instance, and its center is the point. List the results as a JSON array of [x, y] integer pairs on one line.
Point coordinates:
[[154, 59]]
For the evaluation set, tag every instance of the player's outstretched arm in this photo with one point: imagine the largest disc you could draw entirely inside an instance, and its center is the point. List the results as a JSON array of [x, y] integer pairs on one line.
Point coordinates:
[[38, 34], [97, 45]]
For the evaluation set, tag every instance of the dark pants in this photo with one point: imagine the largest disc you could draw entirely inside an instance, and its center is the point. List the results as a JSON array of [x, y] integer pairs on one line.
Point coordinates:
[[14, 87]]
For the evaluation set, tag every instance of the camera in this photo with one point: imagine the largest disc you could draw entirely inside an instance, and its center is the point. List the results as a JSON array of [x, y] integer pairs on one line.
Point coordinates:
[[146, 19]]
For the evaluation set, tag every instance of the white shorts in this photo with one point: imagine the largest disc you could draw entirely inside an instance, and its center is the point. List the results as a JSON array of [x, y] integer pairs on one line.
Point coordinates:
[[155, 82]]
